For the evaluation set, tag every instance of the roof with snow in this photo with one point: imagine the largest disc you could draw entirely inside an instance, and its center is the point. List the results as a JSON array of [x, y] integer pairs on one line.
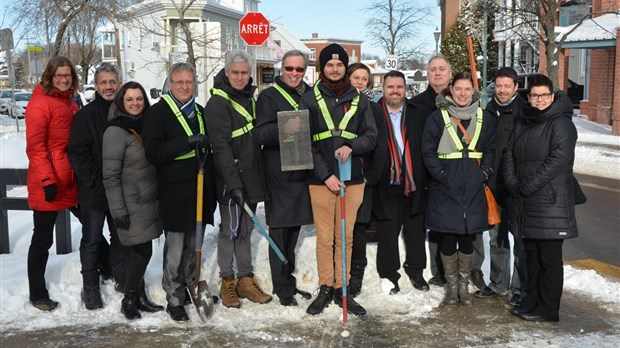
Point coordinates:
[[592, 33]]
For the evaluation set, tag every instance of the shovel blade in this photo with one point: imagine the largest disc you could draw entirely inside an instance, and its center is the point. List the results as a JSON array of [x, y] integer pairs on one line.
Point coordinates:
[[201, 298]]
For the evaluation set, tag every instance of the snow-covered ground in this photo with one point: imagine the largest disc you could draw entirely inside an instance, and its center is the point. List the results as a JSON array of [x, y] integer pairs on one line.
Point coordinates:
[[593, 156]]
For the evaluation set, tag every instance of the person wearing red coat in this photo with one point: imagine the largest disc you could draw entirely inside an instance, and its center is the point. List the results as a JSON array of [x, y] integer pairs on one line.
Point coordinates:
[[52, 186]]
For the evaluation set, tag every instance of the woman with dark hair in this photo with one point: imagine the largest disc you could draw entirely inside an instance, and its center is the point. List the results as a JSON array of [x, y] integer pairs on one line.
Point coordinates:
[[52, 186], [131, 187], [538, 170], [459, 151]]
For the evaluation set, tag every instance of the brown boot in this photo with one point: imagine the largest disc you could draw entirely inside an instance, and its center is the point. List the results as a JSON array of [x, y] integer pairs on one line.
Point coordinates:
[[228, 293], [248, 288]]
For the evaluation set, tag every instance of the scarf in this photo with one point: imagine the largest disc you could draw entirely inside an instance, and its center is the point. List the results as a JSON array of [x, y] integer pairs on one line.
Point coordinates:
[[500, 104], [187, 109], [369, 93], [338, 87], [398, 162], [446, 145]]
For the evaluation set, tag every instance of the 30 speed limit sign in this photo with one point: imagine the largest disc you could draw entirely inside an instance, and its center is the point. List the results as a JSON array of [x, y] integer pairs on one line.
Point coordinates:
[[391, 62]]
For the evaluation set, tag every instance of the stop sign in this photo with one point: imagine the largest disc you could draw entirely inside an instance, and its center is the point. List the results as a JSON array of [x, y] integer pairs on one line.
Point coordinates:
[[254, 28]]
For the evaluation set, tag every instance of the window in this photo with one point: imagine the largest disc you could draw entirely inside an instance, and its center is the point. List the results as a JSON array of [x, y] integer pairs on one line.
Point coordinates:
[[312, 55]]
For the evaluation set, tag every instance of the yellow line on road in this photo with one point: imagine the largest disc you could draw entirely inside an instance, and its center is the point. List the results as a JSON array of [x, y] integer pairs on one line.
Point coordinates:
[[600, 267]]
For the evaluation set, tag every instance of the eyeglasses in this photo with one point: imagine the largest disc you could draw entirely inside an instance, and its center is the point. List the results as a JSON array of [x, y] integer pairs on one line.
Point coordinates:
[[62, 76], [298, 69], [182, 83], [544, 96]]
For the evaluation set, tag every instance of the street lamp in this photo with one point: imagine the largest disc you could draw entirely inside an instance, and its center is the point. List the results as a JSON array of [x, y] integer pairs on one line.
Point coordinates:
[[437, 34]]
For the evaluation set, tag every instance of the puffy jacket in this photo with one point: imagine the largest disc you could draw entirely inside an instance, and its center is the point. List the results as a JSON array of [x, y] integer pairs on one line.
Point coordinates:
[[48, 124], [538, 169], [130, 181]]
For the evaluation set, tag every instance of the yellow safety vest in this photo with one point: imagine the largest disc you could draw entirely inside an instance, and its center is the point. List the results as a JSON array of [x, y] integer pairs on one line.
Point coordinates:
[[331, 130], [179, 115], [470, 152], [240, 109], [286, 96]]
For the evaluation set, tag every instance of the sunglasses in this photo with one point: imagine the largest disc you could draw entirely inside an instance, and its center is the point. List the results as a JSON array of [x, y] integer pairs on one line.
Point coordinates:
[[298, 69]]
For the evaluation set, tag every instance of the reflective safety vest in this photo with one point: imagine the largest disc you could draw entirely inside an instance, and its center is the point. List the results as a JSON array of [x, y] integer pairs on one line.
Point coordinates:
[[470, 152], [331, 130], [179, 115], [240, 109], [286, 96]]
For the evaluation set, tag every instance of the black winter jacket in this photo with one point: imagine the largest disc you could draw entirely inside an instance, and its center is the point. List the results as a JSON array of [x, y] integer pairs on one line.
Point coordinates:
[[538, 167], [288, 202], [426, 99], [84, 151]]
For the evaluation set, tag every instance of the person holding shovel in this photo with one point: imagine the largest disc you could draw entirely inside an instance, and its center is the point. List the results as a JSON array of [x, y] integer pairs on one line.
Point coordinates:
[[342, 127]]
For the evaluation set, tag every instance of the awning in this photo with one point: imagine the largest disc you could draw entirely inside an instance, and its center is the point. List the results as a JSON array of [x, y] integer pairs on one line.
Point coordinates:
[[599, 32]]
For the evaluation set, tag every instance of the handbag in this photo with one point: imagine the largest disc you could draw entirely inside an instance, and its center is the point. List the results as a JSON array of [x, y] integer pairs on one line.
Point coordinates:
[[580, 197], [493, 216]]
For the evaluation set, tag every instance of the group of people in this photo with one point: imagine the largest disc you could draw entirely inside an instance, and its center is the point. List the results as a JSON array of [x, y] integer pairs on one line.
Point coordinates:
[[415, 165]]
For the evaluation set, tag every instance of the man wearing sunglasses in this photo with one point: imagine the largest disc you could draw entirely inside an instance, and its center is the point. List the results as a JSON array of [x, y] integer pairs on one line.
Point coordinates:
[[288, 206]]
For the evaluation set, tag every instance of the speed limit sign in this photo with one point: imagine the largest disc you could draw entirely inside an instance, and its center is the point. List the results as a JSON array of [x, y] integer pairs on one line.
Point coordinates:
[[391, 62]]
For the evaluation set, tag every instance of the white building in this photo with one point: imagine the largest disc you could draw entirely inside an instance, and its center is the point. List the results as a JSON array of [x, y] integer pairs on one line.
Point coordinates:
[[518, 42]]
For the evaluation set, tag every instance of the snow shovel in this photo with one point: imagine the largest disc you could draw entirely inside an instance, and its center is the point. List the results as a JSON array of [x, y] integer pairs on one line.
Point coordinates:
[[262, 230], [198, 289], [345, 174]]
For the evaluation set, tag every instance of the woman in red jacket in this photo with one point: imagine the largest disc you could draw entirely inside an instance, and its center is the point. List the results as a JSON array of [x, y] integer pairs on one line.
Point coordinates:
[[52, 186]]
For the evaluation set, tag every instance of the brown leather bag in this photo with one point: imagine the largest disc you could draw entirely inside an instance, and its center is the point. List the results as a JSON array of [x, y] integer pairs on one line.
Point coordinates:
[[493, 216]]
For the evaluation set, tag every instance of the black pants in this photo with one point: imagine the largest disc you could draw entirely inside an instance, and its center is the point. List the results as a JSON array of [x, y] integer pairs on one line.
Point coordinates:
[[138, 258], [284, 283], [545, 277], [358, 252], [92, 253], [414, 235], [38, 253], [452, 242]]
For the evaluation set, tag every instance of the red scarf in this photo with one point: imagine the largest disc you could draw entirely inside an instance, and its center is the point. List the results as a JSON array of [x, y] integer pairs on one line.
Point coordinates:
[[338, 87], [396, 160]]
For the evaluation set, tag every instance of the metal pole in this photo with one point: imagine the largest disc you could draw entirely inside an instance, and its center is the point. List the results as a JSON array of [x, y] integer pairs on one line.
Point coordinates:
[[484, 97]]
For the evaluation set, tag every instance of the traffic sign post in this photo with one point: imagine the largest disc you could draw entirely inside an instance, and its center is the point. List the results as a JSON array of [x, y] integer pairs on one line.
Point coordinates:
[[254, 28]]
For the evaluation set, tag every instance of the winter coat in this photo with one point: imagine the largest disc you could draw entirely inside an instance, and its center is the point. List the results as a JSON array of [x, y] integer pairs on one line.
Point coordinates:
[[456, 200], [383, 205], [538, 168], [362, 124], [164, 140], [288, 203], [426, 100], [130, 181], [48, 124], [85, 152], [505, 119], [237, 160]]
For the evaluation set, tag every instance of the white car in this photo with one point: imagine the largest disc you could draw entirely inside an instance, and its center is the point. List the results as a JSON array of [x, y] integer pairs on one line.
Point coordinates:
[[5, 96], [18, 109]]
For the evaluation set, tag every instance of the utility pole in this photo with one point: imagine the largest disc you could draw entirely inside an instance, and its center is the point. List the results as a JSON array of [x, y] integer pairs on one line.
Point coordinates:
[[484, 97]]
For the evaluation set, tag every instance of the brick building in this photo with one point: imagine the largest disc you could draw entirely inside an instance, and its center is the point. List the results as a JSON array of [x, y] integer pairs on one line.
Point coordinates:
[[316, 45]]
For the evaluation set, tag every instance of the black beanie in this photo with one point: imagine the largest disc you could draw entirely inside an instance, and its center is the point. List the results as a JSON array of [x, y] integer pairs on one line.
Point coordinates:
[[333, 51]]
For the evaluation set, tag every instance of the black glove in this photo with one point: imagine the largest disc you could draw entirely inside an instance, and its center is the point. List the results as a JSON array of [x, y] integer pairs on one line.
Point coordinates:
[[50, 192], [198, 140], [122, 222], [237, 196]]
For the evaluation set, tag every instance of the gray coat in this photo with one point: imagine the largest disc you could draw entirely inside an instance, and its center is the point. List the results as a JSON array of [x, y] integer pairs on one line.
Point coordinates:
[[130, 183]]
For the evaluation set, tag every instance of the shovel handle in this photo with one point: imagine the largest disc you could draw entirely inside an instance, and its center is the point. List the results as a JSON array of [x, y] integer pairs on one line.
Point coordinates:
[[262, 230], [199, 231]]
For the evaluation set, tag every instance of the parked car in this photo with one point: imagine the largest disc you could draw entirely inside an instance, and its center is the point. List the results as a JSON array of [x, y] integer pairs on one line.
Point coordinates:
[[5, 96], [89, 93], [17, 109]]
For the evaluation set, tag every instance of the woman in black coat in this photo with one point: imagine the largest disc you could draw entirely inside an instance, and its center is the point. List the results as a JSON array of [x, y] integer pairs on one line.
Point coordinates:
[[538, 170]]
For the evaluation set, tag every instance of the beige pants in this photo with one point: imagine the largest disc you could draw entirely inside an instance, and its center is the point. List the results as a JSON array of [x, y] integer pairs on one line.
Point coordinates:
[[326, 211]]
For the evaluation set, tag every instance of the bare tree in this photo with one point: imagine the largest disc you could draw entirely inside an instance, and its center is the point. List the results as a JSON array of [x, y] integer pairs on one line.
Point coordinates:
[[86, 39]]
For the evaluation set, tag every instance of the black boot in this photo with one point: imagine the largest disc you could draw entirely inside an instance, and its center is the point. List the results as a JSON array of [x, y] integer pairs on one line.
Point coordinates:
[[144, 304], [91, 295], [326, 294], [352, 306], [357, 276], [129, 306]]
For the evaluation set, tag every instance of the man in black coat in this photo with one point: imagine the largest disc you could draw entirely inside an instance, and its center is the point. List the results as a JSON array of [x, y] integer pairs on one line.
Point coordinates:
[[173, 131], [504, 107], [288, 206], [400, 197], [84, 151]]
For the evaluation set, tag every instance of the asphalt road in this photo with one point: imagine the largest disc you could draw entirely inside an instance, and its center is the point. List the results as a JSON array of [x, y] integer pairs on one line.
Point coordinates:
[[598, 221]]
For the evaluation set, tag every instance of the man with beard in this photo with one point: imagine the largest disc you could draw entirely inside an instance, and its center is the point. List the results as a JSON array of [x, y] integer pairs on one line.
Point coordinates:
[[288, 206], [342, 126], [402, 189], [84, 151], [505, 107]]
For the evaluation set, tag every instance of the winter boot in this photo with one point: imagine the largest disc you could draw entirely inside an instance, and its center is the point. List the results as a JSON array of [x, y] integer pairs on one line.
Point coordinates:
[[352, 306], [465, 263], [247, 287], [450, 266], [91, 295], [129, 305], [228, 293], [326, 294], [477, 279], [144, 304], [355, 283]]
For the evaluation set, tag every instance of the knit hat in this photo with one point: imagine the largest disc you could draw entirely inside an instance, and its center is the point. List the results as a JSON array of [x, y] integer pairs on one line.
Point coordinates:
[[333, 51]]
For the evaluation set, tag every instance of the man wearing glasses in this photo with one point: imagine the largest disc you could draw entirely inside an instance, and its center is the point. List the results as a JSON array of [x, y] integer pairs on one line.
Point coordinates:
[[288, 206], [98, 259], [173, 133]]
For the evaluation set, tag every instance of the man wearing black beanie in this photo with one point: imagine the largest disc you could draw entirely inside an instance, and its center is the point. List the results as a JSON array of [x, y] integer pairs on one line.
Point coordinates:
[[342, 125]]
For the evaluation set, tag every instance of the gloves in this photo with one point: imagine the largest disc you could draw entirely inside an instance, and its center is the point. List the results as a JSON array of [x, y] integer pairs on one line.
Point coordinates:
[[237, 196], [122, 222], [50, 192], [198, 140]]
